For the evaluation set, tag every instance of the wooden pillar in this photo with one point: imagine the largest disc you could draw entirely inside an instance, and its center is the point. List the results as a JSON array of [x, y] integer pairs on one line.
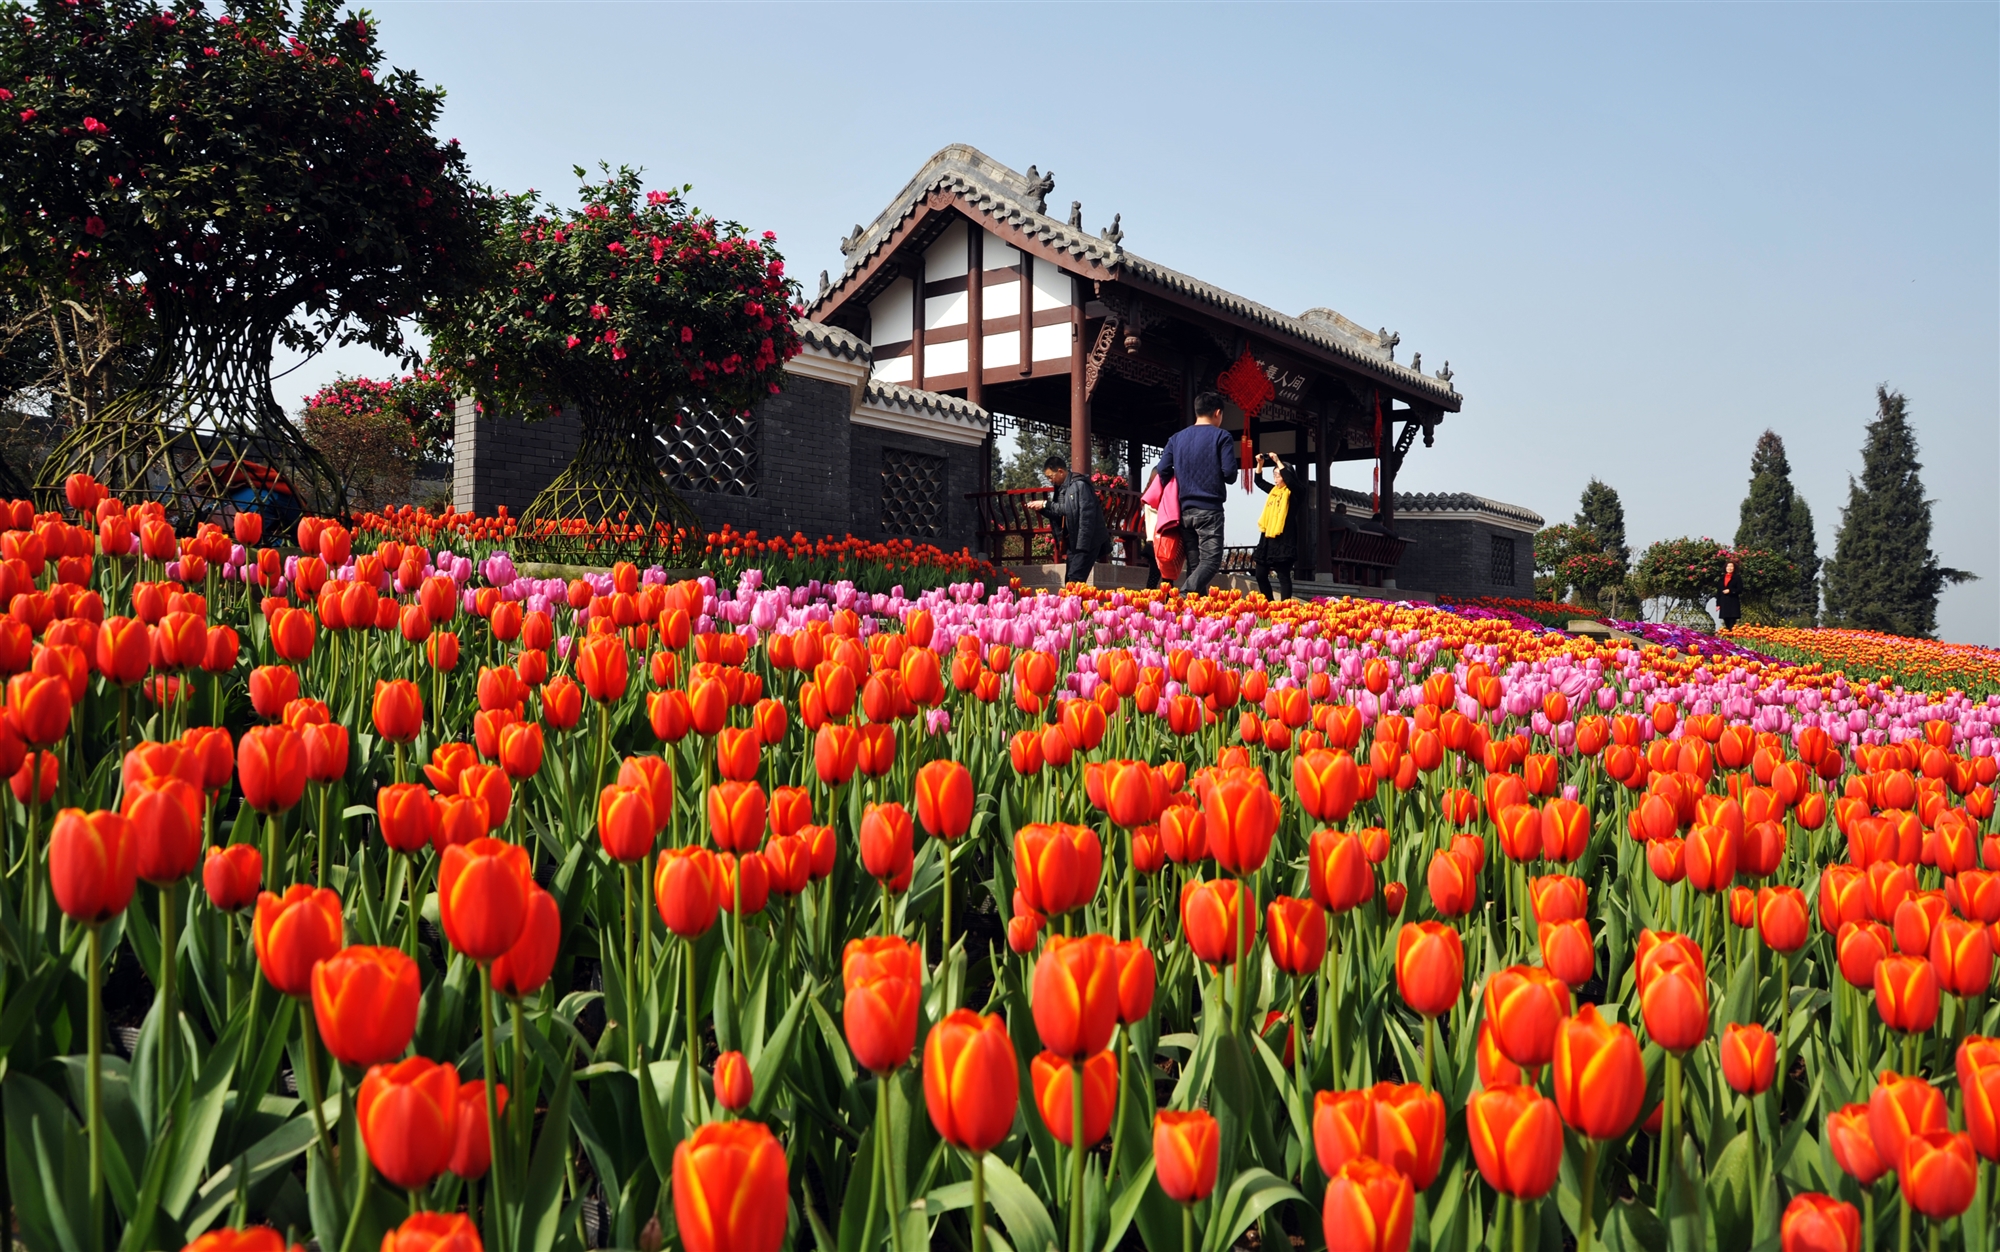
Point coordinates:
[[1026, 266], [1079, 407], [1389, 460], [1322, 495], [975, 314], [916, 269]]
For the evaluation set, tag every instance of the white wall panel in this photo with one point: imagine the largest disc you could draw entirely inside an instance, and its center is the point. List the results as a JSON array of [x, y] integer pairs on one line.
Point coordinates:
[[1052, 342], [896, 369], [945, 310], [889, 314], [1003, 349], [945, 258], [944, 358], [1053, 288], [1003, 300], [997, 255]]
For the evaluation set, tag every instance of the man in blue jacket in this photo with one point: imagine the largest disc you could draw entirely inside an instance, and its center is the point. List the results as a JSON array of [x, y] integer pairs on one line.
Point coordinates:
[[1202, 459]]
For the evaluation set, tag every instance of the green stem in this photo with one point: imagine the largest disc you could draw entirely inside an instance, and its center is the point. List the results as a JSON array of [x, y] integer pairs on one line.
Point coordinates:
[[496, 1142], [736, 932], [693, 1055], [1520, 1225], [521, 1109], [876, 1170], [1236, 1017], [309, 1030], [95, 1096], [978, 1202], [1868, 1219], [169, 1016], [631, 1022], [1332, 1001], [1903, 1223], [950, 1001], [1589, 1222], [1430, 1045], [1187, 1228], [1076, 1151], [272, 837], [888, 1160], [325, 835], [416, 903]]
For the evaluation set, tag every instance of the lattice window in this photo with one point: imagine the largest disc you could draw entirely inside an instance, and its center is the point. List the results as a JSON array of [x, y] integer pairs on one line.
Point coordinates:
[[1502, 572], [912, 494], [711, 452]]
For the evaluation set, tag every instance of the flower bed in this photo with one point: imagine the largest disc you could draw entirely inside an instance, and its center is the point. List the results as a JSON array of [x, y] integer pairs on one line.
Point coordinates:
[[1924, 664], [739, 915], [1553, 613]]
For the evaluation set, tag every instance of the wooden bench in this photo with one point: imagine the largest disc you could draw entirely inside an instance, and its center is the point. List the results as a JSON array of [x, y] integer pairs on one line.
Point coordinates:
[[1014, 534]]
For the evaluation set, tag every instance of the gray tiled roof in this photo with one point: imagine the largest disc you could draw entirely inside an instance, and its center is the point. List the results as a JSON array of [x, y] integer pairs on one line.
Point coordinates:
[[1420, 502], [930, 403], [833, 340], [1007, 196]]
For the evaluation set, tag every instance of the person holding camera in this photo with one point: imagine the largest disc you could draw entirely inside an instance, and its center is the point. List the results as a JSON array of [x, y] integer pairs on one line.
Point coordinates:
[[1278, 526]]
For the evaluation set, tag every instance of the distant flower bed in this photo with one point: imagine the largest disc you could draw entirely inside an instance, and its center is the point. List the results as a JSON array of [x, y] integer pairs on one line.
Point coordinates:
[[1545, 613], [871, 565], [1688, 640], [1919, 664]]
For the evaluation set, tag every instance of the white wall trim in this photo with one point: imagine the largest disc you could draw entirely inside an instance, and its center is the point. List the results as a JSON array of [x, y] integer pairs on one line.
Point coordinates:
[[923, 426]]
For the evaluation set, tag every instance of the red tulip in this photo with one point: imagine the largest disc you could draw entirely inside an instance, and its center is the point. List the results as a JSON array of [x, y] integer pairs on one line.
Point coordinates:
[[1516, 1139]]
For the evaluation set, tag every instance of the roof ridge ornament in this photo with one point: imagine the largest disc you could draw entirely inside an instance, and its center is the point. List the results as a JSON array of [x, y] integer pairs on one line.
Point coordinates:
[[1389, 341], [848, 243], [824, 285], [1444, 375], [1114, 234], [1076, 215], [1039, 187]]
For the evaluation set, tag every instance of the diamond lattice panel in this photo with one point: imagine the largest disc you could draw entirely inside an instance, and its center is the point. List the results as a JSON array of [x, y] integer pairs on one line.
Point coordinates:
[[711, 452], [912, 494]]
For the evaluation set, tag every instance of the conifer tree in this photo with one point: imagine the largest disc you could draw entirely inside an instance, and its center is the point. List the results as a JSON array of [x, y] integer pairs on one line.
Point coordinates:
[[1883, 575], [1601, 510], [1776, 519]]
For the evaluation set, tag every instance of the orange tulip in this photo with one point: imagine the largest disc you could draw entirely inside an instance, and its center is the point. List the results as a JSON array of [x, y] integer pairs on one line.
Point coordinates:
[[433, 1232], [1962, 956], [1565, 829], [1133, 793], [1137, 977], [1526, 1007], [472, 1140], [887, 844], [1337, 870], [1453, 882], [836, 752], [93, 864], [603, 667], [1852, 1142], [736, 816], [1939, 1173], [408, 1115], [883, 977], [687, 885], [625, 822], [1052, 1076], [249, 1239], [1058, 865], [972, 1080], [165, 815], [1186, 1151], [1430, 966], [734, 1084], [738, 754], [729, 1189], [1599, 1076], [1819, 1223], [483, 896], [1979, 1081], [293, 933], [1241, 817], [1212, 913], [271, 766], [523, 968], [1368, 1208], [365, 1002], [945, 799], [1674, 1005], [399, 710], [1568, 951], [1297, 934], [1343, 1126], [1749, 1058], [1900, 1107], [1409, 1130], [1075, 997], [231, 876], [1558, 898], [1517, 1140], [1781, 918], [1906, 993], [1327, 782]]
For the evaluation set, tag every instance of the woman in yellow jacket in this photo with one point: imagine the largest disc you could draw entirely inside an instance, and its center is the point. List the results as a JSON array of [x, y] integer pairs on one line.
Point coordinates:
[[1278, 526]]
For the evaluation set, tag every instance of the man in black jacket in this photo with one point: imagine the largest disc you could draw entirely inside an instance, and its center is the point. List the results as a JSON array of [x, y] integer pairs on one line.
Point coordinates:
[[1077, 519]]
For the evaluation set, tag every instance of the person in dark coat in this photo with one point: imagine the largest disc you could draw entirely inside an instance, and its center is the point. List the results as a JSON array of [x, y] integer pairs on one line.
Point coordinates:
[[1280, 552], [1729, 600], [1077, 518]]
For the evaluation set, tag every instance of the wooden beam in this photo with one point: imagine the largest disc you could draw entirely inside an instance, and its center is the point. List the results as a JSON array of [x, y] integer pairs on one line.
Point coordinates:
[[975, 314], [1026, 318], [1079, 403]]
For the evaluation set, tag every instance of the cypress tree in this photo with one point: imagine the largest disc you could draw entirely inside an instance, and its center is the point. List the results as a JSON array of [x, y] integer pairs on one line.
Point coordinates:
[[1777, 519], [1883, 575], [1603, 513]]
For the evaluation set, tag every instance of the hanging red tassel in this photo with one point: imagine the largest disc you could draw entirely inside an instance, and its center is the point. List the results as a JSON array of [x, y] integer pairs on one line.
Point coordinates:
[[1247, 383]]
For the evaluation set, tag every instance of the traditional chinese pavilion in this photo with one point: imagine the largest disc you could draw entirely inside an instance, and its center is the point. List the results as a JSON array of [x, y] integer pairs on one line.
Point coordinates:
[[911, 368]]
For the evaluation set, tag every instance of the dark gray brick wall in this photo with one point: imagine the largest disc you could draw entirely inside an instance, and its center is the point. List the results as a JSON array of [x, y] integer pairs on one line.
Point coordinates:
[[1454, 556], [506, 461], [963, 465], [802, 463]]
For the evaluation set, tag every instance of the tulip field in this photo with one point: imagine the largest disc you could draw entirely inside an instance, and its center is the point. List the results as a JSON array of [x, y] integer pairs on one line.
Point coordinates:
[[369, 891]]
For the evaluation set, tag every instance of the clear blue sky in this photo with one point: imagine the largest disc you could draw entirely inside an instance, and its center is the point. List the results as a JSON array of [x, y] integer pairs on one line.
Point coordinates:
[[1640, 233]]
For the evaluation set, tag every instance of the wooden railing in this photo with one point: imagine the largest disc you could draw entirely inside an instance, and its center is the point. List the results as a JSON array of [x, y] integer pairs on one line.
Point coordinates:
[[1014, 534]]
